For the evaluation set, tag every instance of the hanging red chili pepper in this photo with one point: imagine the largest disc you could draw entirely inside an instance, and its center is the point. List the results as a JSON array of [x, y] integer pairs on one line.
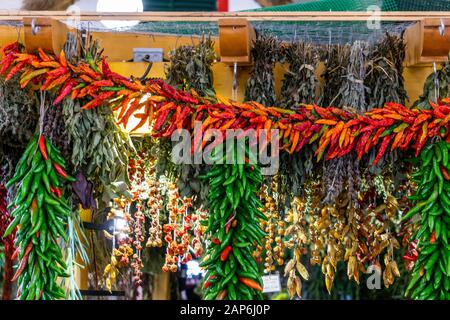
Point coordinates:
[[42, 147], [225, 253]]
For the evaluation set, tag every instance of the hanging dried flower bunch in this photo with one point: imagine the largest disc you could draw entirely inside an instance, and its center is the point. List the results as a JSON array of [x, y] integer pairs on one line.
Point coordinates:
[[385, 72], [54, 128], [18, 120], [337, 59], [261, 84], [300, 82], [190, 67]]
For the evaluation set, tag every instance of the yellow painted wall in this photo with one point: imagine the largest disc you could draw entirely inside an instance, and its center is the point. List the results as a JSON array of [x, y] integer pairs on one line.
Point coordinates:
[[223, 77]]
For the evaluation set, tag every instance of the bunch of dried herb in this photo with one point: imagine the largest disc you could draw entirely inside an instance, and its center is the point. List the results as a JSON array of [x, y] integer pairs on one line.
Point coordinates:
[[294, 170], [385, 72], [261, 84], [100, 148], [54, 127], [300, 81], [337, 60], [190, 67], [353, 91], [18, 120], [436, 86]]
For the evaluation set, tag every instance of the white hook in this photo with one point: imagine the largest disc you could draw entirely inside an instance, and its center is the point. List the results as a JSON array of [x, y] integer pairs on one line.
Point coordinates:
[[442, 28], [34, 27], [234, 93], [436, 82]]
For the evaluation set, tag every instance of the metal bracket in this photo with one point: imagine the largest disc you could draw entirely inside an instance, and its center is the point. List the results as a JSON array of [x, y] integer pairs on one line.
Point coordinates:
[[34, 27], [107, 226]]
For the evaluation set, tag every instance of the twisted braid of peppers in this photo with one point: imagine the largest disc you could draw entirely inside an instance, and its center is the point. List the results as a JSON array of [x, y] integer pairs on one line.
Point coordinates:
[[431, 273], [232, 272], [41, 213], [8, 244], [336, 131]]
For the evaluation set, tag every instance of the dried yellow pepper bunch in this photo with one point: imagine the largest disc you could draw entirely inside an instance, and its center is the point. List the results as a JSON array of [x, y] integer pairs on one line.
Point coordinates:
[[296, 234], [120, 258], [379, 238], [197, 241], [273, 245]]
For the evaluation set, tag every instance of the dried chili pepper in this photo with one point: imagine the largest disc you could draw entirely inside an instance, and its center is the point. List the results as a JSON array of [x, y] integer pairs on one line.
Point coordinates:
[[65, 90], [101, 98], [384, 144]]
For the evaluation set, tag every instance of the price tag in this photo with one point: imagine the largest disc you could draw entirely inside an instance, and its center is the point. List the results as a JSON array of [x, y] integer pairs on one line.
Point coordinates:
[[271, 283]]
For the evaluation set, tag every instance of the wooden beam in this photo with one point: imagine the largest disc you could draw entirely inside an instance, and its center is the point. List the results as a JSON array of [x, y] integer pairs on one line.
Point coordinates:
[[17, 15]]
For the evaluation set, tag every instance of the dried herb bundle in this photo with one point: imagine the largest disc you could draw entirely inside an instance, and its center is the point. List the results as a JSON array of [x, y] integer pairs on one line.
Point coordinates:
[[353, 91], [436, 86], [190, 67], [337, 59], [294, 170], [18, 121], [54, 128], [385, 72], [300, 81], [100, 148], [261, 84]]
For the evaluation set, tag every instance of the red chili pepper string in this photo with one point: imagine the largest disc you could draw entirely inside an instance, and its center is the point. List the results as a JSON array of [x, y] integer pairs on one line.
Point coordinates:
[[366, 130]]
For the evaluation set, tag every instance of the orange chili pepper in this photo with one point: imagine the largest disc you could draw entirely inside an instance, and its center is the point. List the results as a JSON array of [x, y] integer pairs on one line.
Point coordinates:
[[326, 122], [250, 283], [62, 59], [296, 135], [343, 137]]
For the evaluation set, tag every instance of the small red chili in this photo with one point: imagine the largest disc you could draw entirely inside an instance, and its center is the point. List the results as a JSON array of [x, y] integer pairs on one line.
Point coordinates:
[[433, 238], [225, 253], [42, 147], [60, 171], [445, 173]]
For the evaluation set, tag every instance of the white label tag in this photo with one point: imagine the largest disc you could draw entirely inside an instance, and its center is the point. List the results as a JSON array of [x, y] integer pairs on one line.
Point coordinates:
[[271, 283]]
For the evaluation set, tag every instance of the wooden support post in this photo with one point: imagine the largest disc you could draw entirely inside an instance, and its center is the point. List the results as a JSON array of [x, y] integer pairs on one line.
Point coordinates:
[[161, 287], [46, 33], [236, 37], [428, 41]]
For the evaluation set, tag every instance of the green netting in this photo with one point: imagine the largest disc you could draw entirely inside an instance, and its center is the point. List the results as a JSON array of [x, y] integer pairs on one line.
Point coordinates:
[[361, 5], [180, 5], [333, 5], [423, 5], [328, 32]]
